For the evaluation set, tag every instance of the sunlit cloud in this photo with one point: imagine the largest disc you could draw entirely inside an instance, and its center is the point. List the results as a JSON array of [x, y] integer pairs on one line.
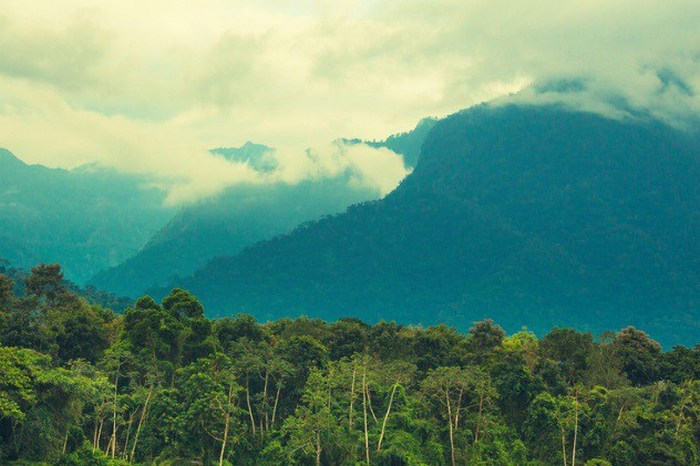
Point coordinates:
[[151, 86]]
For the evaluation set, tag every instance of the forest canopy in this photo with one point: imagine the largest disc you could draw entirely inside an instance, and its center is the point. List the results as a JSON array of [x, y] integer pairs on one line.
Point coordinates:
[[162, 384]]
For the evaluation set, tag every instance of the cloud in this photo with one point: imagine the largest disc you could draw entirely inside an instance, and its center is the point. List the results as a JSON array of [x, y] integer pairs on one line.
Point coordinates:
[[150, 86], [363, 166], [66, 59]]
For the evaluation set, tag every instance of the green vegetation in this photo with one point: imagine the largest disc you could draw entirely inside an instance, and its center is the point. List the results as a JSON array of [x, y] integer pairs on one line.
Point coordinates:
[[535, 216], [224, 224], [244, 214], [161, 384], [87, 218]]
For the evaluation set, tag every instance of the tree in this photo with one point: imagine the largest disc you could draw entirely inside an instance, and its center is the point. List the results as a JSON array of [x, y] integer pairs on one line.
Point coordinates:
[[395, 375], [114, 362], [552, 427], [228, 331], [19, 369], [639, 355], [485, 336], [211, 402], [46, 282], [346, 337], [435, 347], [80, 334], [156, 337], [604, 367], [570, 349], [451, 389], [183, 304], [312, 426], [6, 293]]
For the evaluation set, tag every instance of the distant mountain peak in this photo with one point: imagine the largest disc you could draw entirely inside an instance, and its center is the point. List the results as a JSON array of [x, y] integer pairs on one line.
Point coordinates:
[[258, 156], [7, 159]]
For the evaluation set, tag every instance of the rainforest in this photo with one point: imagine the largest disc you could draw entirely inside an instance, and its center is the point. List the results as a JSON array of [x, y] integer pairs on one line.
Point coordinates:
[[162, 384]]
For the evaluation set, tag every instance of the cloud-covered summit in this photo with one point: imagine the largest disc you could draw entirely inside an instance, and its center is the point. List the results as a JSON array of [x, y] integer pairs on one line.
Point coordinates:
[[151, 86]]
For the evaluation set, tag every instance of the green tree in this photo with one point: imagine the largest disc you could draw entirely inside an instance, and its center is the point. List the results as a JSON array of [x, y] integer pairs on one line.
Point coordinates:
[[46, 283], [6, 293], [313, 426], [639, 355], [570, 349], [452, 390], [211, 402], [183, 304]]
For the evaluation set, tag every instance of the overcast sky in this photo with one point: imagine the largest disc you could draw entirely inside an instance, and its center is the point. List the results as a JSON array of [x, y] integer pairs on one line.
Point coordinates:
[[150, 85]]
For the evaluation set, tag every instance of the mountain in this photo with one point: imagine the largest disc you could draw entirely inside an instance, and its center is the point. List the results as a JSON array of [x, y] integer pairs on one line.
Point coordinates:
[[535, 216], [87, 219], [243, 215], [258, 156], [407, 144]]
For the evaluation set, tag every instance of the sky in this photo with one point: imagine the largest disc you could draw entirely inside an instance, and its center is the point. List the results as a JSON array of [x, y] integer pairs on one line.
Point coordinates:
[[148, 86]]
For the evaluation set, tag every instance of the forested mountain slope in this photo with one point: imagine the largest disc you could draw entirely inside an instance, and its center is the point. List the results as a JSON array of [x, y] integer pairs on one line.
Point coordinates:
[[245, 214], [88, 218], [241, 216], [534, 216]]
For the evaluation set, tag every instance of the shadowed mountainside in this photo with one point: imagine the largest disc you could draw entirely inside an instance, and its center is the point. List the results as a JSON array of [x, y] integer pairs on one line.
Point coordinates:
[[87, 218], [533, 216], [245, 214]]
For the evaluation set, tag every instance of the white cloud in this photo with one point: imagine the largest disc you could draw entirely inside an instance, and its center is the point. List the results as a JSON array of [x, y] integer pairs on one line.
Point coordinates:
[[150, 85]]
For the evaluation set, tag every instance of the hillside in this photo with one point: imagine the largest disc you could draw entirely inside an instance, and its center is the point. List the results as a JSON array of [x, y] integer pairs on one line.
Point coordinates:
[[245, 214], [87, 219], [532, 216], [239, 217]]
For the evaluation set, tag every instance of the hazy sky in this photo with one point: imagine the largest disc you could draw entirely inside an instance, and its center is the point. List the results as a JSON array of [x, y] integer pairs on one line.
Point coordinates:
[[150, 85]]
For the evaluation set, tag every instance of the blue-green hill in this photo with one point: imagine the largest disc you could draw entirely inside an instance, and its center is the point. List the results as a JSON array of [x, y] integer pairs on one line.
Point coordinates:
[[534, 216]]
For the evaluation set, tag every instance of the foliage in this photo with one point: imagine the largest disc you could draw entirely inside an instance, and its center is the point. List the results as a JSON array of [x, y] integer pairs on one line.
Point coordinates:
[[530, 215], [162, 384]]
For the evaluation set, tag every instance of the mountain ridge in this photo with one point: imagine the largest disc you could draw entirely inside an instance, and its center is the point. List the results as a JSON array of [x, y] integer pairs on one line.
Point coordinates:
[[84, 219], [530, 215], [243, 215]]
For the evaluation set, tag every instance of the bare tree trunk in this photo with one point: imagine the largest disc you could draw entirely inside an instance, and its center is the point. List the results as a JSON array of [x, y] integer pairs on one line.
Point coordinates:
[[109, 445], [94, 436], [265, 404], [458, 408], [250, 408], [274, 409], [128, 433], [364, 409], [114, 417], [449, 419], [369, 403], [563, 445], [318, 448], [144, 411], [99, 433], [65, 440], [352, 394], [226, 425], [386, 417], [573, 453]]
